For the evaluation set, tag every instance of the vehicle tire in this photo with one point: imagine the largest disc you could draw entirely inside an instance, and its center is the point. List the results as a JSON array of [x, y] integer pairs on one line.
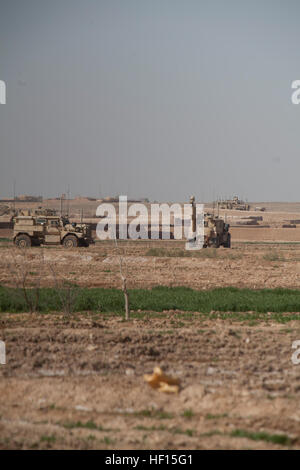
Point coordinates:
[[23, 241], [228, 243], [70, 241]]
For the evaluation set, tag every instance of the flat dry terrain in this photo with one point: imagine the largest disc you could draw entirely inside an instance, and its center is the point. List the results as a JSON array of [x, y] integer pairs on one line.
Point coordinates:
[[245, 265], [77, 381]]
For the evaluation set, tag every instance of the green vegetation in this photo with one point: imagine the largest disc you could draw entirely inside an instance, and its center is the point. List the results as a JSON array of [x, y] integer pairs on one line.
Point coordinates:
[[79, 424], [88, 425], [151, 428], [154, 414], [158, 299], [187, 432], [273, 255], [214, 432], [281, 439], [219, 416], [188, 413], [106, 440], [50, 439]]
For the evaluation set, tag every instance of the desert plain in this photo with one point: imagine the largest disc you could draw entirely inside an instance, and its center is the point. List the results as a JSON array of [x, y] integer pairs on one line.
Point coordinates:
[[76, 380]]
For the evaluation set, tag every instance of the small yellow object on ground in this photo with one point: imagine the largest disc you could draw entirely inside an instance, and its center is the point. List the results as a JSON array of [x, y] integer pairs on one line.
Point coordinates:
[[162, 382]]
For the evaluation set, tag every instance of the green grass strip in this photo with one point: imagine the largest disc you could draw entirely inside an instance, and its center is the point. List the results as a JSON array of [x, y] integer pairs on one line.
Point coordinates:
[[158, 299]]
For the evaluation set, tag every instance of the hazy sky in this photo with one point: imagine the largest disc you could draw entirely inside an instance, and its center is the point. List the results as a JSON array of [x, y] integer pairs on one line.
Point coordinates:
[[155, 98]]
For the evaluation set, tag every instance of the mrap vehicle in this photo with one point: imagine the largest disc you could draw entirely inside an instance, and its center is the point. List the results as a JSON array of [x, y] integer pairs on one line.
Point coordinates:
[[216, 232], [40, 228]]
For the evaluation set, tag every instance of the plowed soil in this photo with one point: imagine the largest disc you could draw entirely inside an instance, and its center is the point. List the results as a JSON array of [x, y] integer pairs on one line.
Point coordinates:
[[149, 264], [78, 383]]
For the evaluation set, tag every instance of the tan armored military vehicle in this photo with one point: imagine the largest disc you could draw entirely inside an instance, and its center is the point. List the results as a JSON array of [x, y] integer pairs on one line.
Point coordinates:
[[44, 227], [234, 203], [216, 232]]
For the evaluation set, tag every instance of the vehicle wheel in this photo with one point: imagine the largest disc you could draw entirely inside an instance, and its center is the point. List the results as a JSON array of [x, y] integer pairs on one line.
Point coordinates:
[[23, 241], [228, 243], [70, 241]]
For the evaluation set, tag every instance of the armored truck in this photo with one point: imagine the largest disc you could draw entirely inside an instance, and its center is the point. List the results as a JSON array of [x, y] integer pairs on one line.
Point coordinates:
[[216, 232], [40, 228], [234, 203]]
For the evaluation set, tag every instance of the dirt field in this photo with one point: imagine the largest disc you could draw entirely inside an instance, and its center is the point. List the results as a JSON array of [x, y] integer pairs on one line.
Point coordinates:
[[77, 381], [245, 265]]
